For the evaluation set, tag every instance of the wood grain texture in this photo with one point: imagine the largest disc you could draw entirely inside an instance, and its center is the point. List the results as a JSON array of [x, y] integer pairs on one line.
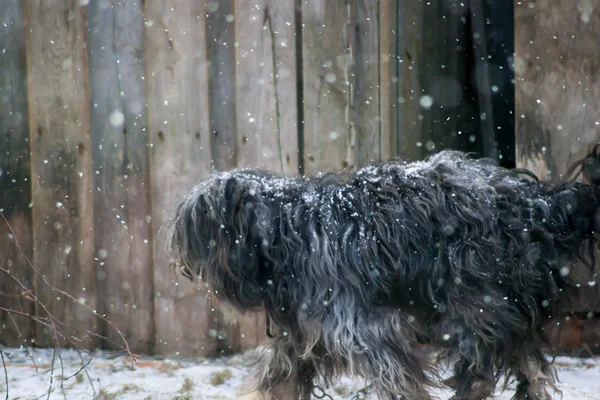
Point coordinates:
[[177, 90], [61, 163], [327, 53], [409, 51], [266, 86], [341, 72], [557, 95], [388, 81], [452, 119], [266, 106], [501, 46], [15, 175], [221, 47], [366, 76], [220, 36], [483, 69], [120, 160]]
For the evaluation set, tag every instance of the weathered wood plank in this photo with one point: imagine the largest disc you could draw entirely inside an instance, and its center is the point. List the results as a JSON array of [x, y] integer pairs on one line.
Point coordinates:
[[366, 80], [341, 67], [479, 12], [501, 39], [266, 105], [224, 138], [327, 53], [450, 112], [120, 158], [388, 84], [409, 51], [220, 36], [61, 162], [557, 94], [15, 174], [266, 86], [177, 89]]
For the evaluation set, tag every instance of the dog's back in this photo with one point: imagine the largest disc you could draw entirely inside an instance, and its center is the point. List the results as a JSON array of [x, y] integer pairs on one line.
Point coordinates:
[[352, 270]]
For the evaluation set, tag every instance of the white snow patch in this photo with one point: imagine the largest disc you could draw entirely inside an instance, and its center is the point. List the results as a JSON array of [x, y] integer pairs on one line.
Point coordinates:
[[156, 378]]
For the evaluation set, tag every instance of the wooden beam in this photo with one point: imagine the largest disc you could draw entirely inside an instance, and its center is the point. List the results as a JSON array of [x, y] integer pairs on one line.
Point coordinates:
[[409, 50], [61, 165], [121, 165], [341, 48], [177, 91], [15, 176], [388, 79]]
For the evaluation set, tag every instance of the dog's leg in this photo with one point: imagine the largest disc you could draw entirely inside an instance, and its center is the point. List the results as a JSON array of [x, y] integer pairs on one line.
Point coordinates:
[[279, 375], [473, 382], [474, 369], [534, 374], [379, 347]]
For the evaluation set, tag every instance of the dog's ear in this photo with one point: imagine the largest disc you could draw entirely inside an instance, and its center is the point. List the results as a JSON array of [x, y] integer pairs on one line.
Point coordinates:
[[221, 234], [248, 219], [242, 216]]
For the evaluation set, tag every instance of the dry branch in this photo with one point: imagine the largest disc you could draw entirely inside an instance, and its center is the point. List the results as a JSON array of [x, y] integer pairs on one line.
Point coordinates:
[[59, 328]]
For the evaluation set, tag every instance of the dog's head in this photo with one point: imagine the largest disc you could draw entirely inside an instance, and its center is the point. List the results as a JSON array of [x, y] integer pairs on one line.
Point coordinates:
[[221, 236]]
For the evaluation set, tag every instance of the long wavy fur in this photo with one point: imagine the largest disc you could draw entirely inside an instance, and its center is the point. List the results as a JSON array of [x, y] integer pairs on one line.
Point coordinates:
[[354, 271]]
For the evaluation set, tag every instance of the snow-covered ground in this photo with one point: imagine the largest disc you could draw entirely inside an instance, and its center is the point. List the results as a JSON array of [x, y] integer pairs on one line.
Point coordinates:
[[112, 377]]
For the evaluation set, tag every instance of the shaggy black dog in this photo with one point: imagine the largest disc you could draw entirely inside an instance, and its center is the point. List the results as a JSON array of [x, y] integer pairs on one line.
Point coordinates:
[[353, 271]]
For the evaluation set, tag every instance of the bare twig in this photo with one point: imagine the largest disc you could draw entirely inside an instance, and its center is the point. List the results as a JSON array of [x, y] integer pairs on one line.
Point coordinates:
[[28, 353], [62, 380], [49, 315], [52, 369], [15, 241], [5, 372], [58, 328], [83, 367]]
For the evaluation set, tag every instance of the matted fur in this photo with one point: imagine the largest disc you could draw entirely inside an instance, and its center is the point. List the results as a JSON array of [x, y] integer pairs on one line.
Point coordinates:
[[354, 271]]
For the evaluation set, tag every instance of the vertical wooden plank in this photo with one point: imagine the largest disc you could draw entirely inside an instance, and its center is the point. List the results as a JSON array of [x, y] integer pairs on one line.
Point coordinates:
[[220, 36], [502, 49], [409, 51], [177, 88], [388, 79], [120, 159], [448, 100], [341, 55], [61, 162], [327, 52], [266, 86], [366, 80], [266, 105], [224, 138], [298, 26], [480, 32], [15, 173]]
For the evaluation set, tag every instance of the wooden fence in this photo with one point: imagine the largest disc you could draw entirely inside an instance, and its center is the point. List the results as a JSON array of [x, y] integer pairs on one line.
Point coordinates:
[[111, 110]]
